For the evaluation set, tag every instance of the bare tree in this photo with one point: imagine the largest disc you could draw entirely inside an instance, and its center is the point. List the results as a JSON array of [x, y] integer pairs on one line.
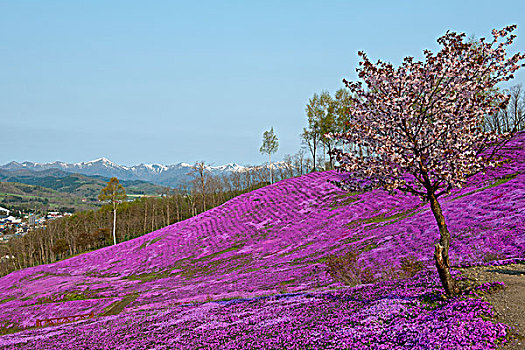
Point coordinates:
[[200, 180], [114, 193], [512, 117]]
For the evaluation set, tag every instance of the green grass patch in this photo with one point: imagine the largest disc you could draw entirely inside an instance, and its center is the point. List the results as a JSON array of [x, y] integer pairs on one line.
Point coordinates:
[[302, 246], [352, 239], [192, 268], [117, 307], [155, 240], [7, 300], [318, 261], [343, 200], [70, 296], [98, 274], [150, 242], [308, 259], [498, 182], [374, 221], [289, 282], [9, 328], [42, 275], [149, 276], [502, 180], [213, 255], [369, 247], [253, 269]]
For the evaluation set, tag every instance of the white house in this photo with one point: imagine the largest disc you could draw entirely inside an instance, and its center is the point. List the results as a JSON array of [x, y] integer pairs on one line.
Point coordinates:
[[13, 220], [2, 210]]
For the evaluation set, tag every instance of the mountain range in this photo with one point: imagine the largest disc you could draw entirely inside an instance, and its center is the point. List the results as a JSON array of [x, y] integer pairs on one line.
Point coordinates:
[[174, 175]]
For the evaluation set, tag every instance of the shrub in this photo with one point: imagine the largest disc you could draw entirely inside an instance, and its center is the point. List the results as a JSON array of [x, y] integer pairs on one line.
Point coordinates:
[[410, 266], [348, 269]]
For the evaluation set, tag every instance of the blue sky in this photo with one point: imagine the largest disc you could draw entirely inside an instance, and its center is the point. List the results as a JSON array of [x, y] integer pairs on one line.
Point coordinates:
[[179, 81]]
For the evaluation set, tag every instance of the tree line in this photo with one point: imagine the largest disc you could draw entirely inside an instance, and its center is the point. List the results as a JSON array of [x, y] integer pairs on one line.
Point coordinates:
[[328, 115]]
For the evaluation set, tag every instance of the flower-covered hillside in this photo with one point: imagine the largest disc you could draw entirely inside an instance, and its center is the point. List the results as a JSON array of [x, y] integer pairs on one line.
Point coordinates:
[[402, 314], [273, 240]]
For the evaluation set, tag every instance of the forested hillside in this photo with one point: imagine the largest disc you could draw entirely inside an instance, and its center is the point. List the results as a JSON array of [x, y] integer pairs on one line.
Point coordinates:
[[82, 186], [90, 229], [40, 199]]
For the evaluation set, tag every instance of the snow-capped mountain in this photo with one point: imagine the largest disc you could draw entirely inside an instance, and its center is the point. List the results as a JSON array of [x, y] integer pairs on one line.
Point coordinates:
[[101, 166], [173, 175]]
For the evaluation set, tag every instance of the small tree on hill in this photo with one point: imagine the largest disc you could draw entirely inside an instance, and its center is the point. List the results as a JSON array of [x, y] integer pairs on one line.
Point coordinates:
[[341, 105], [420, 126], [201, 179], [270, 145], [317, 110], [114, 193]]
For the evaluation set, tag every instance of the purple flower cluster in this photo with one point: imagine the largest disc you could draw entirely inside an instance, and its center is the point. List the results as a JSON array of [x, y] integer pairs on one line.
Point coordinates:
[[390, 315], [275, 240]]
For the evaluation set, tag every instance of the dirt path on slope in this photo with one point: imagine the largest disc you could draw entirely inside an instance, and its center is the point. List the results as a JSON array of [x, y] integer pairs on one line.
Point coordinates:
[[117, 307], [509, 303]]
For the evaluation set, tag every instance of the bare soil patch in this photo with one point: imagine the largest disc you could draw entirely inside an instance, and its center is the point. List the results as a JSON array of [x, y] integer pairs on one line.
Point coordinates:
[[117, 307], [509, 302]]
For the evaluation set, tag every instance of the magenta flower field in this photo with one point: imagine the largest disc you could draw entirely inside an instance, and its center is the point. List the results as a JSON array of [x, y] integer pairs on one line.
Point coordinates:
[[250, 274]]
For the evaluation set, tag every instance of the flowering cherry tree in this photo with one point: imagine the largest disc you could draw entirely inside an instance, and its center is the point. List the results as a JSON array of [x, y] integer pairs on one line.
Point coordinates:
[[418, 127]]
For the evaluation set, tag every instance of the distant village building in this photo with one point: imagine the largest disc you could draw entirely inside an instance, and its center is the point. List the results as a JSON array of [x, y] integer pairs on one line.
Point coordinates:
[[31, 220], [52, 215], [11, 223], [13, 220], [4, 211]]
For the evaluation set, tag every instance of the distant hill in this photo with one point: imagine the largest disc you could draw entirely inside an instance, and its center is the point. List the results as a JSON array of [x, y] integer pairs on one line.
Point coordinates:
[[82, 186], [175, 175], [29, 197]]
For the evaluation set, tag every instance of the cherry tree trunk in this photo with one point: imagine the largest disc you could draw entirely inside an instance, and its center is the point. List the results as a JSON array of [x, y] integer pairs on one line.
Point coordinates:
[[441, 249]]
